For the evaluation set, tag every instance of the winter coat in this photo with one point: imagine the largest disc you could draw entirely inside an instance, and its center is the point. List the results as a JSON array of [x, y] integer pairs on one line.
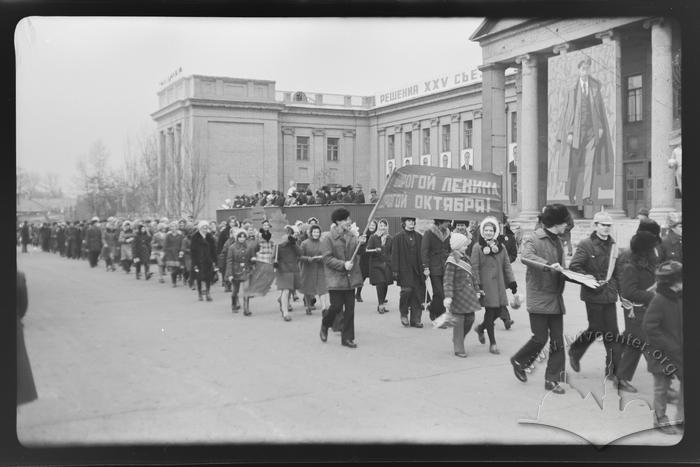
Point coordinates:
[[93, 238], [434, 250], [222, 254], [337, 247], [172, 248], [663, 328], [26, 238], [380, 261], [186, 242], [459, 285], [592, 257], [636, 278], [406, 261], [509, 240], [544, 285], [158, 242], [288, 254], [203, 251], [141, 247], [313, 279], [26, 389], [672, 247], [126, 238], [224, 235], [493, 274], [238, 261]]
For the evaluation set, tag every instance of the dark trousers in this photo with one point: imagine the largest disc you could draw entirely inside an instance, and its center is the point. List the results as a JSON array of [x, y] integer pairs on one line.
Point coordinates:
[[207, 285], [235, 289], [490, 315], [602, 321], [545, 327], [146, 268], [436, 307], [342, 300], [504, 314], [24, 247], [382, 289], [92, 257], [408, 298], [630, 353]]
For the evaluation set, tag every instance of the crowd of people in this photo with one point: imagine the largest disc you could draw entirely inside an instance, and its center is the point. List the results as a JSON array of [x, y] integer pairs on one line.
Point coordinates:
[[468, 266], [295, 197]]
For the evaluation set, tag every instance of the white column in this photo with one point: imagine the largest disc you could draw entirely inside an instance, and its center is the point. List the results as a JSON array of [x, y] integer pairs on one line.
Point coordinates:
[[662, 177], [529, 138]]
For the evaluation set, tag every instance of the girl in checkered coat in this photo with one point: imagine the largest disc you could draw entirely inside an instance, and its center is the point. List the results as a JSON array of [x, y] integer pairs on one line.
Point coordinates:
[[461, 297]]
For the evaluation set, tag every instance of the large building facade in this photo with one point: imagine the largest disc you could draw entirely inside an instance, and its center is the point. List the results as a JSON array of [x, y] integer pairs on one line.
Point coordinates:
[[503, 117]]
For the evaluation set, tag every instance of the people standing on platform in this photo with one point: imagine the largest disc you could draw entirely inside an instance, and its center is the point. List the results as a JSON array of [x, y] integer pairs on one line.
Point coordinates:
[[203, 251], [342, 275], [597, 256], [364, 258], [373, 197], [126, 239], [434, 250], [93, 239], [240, 258], [461, 297], [637, 276], [406, 265], [379, 250], [358, 195], [663, 328], [141, 251], [543, 255], [287, 274], [492, 274], [313, 280], [263, 273], [672, 243]]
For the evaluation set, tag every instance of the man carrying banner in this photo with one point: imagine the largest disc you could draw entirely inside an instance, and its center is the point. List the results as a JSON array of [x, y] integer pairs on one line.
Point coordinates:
[[597, 256], [435, 248], [406, 265]]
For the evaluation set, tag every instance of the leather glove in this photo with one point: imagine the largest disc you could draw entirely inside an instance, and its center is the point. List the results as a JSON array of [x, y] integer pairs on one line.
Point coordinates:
[[513, 286]]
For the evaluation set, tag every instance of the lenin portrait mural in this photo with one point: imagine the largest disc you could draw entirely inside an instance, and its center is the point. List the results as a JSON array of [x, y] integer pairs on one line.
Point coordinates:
[[581, 122]]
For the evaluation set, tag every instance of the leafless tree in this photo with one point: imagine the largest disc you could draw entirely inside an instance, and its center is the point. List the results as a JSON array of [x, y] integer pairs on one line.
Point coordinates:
[[193, 190]]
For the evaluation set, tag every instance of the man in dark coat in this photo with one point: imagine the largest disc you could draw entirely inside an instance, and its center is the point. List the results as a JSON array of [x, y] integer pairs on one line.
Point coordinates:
[[663, 327], [435, 248], [93, 238], [543, 254], [406, 265], [672, 243], [203, 251], [359, 196]]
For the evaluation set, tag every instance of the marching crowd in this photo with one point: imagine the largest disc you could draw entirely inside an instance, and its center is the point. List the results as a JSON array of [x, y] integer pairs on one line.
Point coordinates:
[[468, 270]]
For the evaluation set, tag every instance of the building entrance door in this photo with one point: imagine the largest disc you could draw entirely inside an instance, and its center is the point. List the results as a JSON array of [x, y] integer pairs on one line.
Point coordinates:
[[636, 186]]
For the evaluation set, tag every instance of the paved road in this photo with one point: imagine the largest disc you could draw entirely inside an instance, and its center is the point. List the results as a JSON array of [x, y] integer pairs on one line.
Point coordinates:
[[123, 361]]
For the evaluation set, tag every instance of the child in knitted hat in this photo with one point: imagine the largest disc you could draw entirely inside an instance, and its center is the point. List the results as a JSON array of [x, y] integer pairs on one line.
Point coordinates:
[[461, 299]]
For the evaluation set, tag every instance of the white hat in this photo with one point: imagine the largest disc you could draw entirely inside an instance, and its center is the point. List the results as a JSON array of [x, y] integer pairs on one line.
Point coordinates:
[[201, 224], [490, 220], [458, 240], [602, 216]]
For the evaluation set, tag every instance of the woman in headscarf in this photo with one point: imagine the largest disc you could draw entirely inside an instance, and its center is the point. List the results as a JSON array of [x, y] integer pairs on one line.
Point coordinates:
[[364, 258], [287, 265], [492, 273], [263, 273], [379, 252], [203, 250], [158, 247], [240, 258], [313, 280], [172, 251]]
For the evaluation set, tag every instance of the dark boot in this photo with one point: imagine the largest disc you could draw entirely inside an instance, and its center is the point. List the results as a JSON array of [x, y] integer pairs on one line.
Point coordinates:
[[358, 294], [246, 306], [235, 306]]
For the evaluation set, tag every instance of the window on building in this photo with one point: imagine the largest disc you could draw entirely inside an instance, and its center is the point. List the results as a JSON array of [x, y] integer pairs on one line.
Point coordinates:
[[513, 188], [332, 148], [467, 134], [409, 144], [514, 127], [426, 140], [302, 148], [445, 138], [390, 148], [634, 98]]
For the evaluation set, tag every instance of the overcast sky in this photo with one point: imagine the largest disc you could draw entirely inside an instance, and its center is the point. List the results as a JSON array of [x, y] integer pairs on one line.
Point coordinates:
[[85, 79]]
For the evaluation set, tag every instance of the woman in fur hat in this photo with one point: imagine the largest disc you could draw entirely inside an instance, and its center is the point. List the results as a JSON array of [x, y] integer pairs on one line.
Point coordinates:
[[461, 298], [663, 328], [492, 273], [637, 277]]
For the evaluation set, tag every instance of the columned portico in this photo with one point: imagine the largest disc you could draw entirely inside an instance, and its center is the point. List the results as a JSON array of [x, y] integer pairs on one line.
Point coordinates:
[[662, 178], [529, 151], [493, 123]]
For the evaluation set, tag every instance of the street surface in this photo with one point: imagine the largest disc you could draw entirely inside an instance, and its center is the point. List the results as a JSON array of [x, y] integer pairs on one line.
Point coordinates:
[[121, 361]]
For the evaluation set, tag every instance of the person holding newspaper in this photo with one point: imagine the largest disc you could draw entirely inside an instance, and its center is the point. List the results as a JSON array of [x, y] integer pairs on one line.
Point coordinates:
[[597, 256], [543, 254]]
